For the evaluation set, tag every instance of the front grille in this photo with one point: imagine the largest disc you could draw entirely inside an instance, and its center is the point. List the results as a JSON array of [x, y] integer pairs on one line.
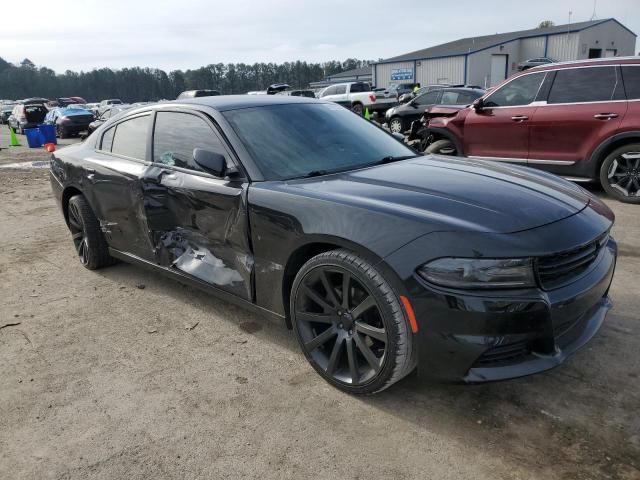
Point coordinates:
[[562, 268], [504, 354]]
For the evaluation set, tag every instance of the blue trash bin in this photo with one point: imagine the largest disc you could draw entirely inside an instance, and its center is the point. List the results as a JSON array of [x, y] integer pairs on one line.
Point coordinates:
[[48, 134], [34, 137]]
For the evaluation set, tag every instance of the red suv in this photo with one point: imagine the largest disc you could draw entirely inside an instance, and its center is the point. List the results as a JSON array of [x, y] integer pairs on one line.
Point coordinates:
[[578, 119]]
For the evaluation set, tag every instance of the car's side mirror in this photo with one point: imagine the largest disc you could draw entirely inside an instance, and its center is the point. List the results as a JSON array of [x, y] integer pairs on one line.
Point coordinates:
[[478, 104], [211, 162]]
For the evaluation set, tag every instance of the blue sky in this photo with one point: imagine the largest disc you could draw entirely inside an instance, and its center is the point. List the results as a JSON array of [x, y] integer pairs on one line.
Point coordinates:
[[87, 34]]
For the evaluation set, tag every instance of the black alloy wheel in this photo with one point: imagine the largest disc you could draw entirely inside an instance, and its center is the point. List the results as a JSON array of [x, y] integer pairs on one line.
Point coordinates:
[[88, 239], [620, 174], [345, 325], [78, 233]]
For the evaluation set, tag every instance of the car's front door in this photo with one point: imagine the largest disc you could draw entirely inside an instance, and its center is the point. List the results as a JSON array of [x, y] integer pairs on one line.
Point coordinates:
[[341, 96], [584, 107], [197, 222], [500, 130], [416, 107]]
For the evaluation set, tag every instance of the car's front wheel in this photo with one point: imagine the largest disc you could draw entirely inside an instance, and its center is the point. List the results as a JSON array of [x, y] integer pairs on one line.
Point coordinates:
[[350, 324], [620, 174], [442, 147], [88, 240], [395, 125]]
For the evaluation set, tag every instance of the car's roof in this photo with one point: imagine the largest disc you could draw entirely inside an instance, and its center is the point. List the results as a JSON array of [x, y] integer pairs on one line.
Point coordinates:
[[586, 62], [234, 102]]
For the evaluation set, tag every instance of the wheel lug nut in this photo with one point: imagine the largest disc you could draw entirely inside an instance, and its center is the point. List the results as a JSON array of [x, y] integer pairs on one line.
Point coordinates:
[[339, 325], [350, 332]]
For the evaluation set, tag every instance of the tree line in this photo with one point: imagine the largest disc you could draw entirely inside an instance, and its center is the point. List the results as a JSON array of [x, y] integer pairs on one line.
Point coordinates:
[[138, 84]]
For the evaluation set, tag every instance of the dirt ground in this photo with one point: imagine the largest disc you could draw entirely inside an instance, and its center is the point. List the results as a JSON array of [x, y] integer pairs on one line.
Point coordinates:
[[121, 373]]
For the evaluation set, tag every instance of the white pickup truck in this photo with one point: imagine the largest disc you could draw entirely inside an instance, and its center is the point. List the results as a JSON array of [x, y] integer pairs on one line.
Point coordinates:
[[354, 95]]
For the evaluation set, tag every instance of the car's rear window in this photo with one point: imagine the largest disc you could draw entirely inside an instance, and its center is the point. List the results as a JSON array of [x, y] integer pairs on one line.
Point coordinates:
[[631, 77], [591, 84]]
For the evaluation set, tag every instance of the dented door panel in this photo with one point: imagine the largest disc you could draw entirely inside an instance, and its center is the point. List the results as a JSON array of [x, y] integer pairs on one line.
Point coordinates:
[[198, 224]]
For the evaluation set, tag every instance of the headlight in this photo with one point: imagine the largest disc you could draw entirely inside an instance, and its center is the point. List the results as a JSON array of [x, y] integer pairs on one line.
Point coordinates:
[[479, 273]]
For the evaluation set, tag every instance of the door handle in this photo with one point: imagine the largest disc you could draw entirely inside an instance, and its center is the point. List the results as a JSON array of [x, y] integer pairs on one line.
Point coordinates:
[[605, 116], [519, 118], [90, 170]]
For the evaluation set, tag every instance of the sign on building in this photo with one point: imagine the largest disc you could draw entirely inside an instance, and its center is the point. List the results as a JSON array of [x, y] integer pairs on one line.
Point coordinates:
[[402, 74]]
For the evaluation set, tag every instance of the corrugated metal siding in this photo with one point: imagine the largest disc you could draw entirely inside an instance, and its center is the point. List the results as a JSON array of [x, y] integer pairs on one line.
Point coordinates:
[[440, 70], [383, 75], [532, 47], [563, 47], [609, 35]]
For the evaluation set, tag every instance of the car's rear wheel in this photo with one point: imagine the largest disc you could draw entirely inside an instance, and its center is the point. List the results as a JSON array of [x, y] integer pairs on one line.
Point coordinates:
[[91, 247], [350, 324], [442, 147], [395, 125], [620, 174], [357, 108], [61, 132]]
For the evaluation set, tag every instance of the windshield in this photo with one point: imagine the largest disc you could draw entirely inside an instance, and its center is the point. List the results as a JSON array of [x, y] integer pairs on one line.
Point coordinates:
[[296, 140]]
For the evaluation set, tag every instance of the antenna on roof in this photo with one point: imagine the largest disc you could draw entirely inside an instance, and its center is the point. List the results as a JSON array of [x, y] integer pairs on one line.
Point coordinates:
[[593, 15]]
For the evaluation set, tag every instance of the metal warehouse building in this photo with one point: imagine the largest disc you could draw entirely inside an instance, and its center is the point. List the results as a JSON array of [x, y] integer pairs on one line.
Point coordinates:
[[356, 75], [488, 60]]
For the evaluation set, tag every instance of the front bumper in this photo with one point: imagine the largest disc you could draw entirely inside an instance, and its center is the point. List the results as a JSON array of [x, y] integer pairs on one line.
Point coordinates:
[[472, 337]]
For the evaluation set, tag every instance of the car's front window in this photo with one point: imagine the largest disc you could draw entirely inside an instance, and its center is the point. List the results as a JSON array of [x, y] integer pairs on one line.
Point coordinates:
[[288, 141], [520, 91]]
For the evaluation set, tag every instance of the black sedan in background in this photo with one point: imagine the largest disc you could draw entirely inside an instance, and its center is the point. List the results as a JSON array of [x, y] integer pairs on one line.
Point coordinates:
[[399, 118], [379, 258], [106, 115]]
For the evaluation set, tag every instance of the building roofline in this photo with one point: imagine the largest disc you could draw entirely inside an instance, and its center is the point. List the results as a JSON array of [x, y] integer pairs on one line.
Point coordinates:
[[532, 35]]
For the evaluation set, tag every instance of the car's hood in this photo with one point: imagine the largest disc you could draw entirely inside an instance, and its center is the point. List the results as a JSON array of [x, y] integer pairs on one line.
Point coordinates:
[[454, 194]]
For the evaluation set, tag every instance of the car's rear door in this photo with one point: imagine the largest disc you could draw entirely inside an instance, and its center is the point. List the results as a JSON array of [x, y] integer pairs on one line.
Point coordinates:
[[584, 107], [111, 175], [500, 130], [197, 222]]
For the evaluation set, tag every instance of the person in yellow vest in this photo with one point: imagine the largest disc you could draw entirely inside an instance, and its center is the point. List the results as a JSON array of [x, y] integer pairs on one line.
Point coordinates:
[[416, 87]]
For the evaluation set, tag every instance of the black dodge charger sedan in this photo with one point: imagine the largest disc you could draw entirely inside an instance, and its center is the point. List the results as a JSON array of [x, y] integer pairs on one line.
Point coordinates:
[[381, 260]]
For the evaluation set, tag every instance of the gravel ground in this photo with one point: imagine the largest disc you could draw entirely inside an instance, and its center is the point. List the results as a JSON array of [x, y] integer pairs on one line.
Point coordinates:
[[120, 373]]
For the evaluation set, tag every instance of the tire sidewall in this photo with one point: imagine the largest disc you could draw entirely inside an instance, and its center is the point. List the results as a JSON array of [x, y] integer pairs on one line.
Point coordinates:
[[604, 173], [380, 381], [436, 147]]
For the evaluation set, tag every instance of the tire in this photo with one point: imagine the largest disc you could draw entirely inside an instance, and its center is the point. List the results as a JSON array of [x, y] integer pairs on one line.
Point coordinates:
[[396, 125], [442, 147], [620, 174], [91, 247], [357, 108], [61, 132], [361, 345]]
